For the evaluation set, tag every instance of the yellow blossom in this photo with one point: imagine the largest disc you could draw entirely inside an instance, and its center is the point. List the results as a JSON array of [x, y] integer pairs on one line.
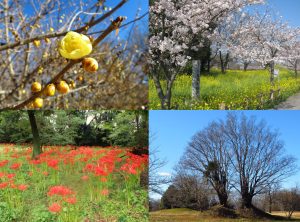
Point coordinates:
[[75, 46]]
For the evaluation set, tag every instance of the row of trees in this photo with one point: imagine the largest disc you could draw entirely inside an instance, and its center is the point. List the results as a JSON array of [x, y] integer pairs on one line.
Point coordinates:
[[193, 192], [102, 128], [183, 32]]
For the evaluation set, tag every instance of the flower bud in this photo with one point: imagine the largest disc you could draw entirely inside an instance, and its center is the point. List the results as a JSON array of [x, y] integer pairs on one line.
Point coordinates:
[[62, 87], [36, 87], [50, 90], [90, 64]]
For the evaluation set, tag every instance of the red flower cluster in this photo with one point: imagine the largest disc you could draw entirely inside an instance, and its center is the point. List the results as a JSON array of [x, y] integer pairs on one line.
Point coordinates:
[[60, 191], [53, 163], [134, 163], [15, 166], [54, 208], [3, 163]]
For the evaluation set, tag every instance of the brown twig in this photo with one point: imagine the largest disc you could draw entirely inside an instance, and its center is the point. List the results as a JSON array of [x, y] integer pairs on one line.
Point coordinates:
[[58, 34], [115, 24]]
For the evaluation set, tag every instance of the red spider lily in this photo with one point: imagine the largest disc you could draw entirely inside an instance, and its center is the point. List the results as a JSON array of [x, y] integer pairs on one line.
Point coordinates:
[[10, 175], [103, 179], [45, 173], [3, 185], [22, 187], [71, 200], [35, 161], [12, 185], [85, 177], [60, 190], [15, 166], [104, 192], [128, 168], [53, 163], [54, 208], [30, 173], [2, 174], [3, 163], [89, 167]]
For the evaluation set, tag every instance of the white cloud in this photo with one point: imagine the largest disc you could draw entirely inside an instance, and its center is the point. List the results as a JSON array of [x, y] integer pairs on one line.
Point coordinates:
[[164, 174]]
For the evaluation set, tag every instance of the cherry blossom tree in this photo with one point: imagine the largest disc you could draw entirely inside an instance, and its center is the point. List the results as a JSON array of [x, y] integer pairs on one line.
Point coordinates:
[[263, 38], [178, 31]]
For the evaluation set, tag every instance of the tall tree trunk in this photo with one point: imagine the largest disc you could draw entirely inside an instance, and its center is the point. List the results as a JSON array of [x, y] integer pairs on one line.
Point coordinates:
[[208, 64], [272, 70], [222, 62], [270, 201], [196, 79], [296, 69], [226, 62], [37, 148]]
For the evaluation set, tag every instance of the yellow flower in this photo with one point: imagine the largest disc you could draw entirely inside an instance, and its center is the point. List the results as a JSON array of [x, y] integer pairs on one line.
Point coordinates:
[[37, 43], [75, 46]]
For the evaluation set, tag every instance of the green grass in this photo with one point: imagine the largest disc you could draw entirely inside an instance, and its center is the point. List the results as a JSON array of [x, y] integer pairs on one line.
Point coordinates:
[[234, 90], [183, 215]]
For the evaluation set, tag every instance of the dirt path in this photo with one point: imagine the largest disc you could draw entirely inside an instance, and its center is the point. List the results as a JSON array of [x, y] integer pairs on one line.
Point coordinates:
[[292, 103]]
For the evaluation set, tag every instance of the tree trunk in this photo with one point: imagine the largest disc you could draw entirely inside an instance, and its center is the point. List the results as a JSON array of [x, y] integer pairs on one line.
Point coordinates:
[[208, 65], [272, 70], [222, 63], [226, 62], [246, 200], [223, 198], [296, 69], [246, 64], [270, 201], [37, 148], [196, 79]]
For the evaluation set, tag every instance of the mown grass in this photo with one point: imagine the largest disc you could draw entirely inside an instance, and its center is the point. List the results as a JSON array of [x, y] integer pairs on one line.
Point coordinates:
[[234, 90], [180, 215]]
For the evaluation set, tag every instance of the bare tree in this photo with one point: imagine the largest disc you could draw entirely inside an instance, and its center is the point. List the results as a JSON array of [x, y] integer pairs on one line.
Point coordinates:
[[257, 156], [289, 200], [155, 179], [207, 154], [194, 192]]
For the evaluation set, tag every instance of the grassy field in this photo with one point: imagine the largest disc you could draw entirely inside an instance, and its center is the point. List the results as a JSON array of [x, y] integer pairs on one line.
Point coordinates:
[[233, 90], [71, 184], [184, 215]]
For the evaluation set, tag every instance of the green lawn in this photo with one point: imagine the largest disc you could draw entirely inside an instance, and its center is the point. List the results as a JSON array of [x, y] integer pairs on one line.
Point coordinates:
[[183, 215], [234, 90]]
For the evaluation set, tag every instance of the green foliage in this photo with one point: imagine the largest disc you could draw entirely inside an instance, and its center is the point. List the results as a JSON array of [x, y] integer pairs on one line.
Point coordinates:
[[7, 214], [234, 90], [104, 128], [42, 214]]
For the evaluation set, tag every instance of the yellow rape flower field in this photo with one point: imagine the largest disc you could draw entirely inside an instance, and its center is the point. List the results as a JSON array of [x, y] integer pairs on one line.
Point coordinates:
[[235, 90]]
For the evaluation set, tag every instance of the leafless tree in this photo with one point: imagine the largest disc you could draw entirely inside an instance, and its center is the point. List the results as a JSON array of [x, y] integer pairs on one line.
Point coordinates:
[[155, 179], [207, 154], [289, 200], [256, 154]]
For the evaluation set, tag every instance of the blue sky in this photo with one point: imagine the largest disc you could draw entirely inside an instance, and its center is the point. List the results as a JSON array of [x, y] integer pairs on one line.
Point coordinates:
[[129, 10], [289, 9], [174, 129]]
